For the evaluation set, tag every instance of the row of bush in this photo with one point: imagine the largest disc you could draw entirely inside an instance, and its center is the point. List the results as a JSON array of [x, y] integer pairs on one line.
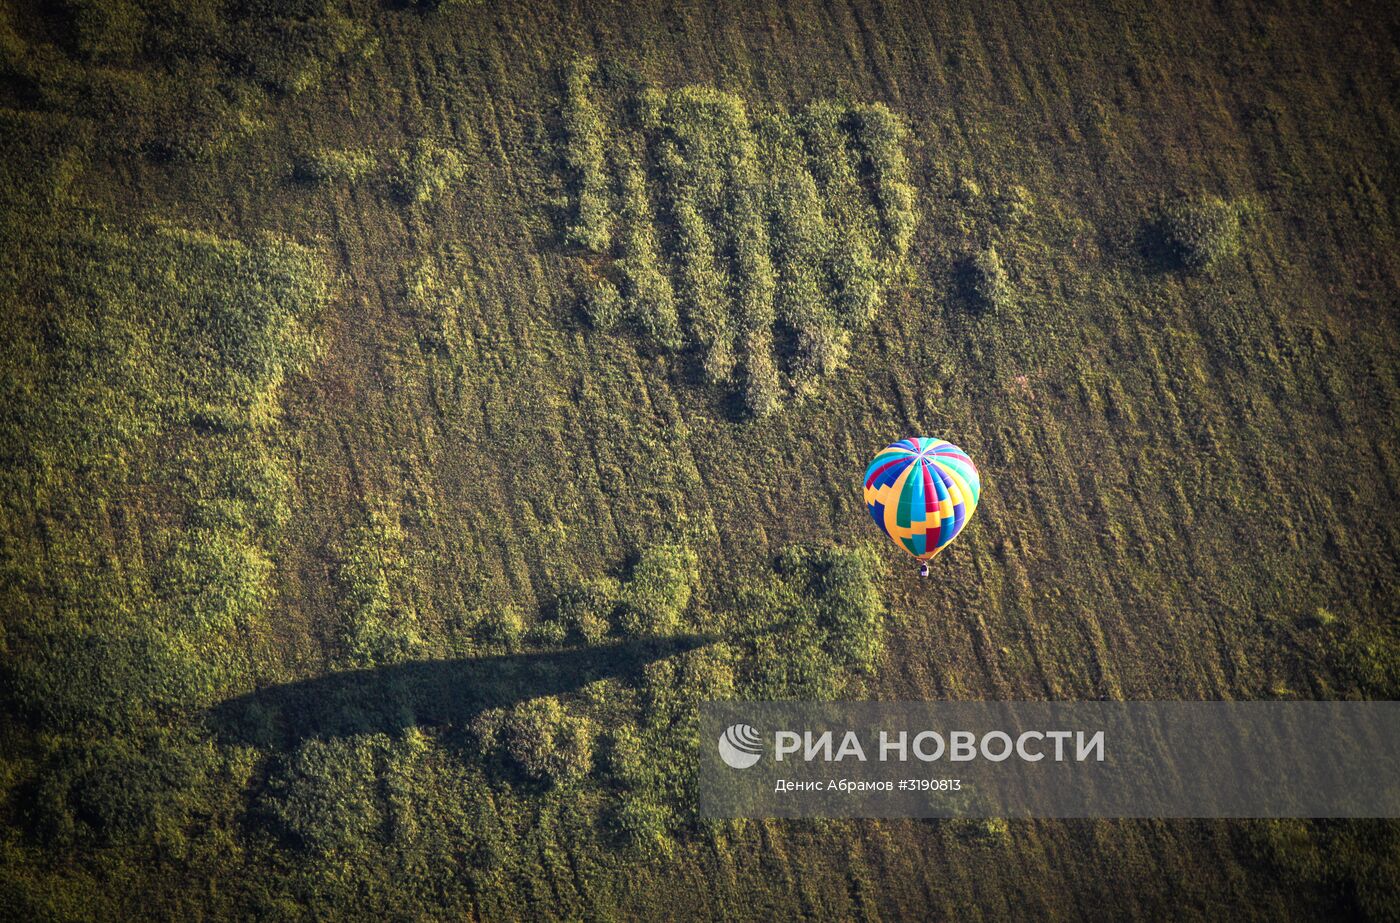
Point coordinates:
[[650, 602], [141, 504], [1195, 233], [883, 135], [585, 138], [175, 78], [650, 299], [148, 333], [802, 245], [371, 573], [811, 625], [713, 185], [776, 229]]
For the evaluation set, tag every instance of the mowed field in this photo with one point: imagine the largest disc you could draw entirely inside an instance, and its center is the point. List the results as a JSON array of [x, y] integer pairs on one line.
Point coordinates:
[[429, 450]]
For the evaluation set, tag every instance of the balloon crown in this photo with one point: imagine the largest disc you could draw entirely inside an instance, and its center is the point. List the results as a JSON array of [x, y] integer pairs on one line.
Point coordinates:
[[921, 492]]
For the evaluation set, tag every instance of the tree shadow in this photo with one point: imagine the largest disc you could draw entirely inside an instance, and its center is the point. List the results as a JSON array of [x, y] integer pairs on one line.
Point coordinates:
[[432, 693], [963, 291], [1154, 248]]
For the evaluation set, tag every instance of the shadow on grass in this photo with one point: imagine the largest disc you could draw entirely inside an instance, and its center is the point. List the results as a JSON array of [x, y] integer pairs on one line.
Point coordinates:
[[425, 693], [1154, 248], [963, 291]]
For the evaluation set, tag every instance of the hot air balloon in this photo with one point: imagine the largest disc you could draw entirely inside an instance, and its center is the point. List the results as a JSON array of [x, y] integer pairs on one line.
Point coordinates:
[[921, 492]]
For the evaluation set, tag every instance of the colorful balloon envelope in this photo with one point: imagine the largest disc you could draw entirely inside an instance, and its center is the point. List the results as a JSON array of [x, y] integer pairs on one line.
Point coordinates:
[[921, 493]]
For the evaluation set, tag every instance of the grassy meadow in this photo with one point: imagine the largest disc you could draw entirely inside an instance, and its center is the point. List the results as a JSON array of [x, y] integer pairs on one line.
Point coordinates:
[[409, 411]]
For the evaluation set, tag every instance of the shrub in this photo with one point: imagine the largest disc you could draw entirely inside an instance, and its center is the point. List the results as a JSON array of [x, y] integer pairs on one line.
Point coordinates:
[[1202, 232], [644, 825], [113, 795], [821, 349], [860, 291], [650, 301], [426, 169], [548, 632], [822, 623], [756, 288], [988, 285], [967, 191], [594, 228], [828, 156], [1013, 206], [549, 744], [325, 796], [602, 304], [850, 607], [505, 626], [113, 800], [801, 245], [659, 589], [988, 831], [1323, 617], [335, 165], [587, 608], [628, 761], [1365, 661], [708, 672], [702, 131], [756, 284]]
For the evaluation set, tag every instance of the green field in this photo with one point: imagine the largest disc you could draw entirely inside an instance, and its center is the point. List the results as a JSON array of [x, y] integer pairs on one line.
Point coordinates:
[[409, 412]]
